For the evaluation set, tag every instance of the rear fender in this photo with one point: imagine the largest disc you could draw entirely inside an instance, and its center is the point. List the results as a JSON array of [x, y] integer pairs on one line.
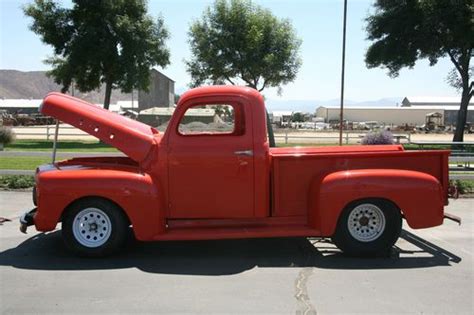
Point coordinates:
[[418, 195], [137, 194]]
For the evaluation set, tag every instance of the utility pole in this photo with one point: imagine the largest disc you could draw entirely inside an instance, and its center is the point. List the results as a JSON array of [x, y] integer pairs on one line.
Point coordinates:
[[341, 113]]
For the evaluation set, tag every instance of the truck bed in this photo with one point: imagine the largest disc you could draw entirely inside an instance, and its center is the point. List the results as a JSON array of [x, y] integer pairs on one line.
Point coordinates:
[[294, 169]]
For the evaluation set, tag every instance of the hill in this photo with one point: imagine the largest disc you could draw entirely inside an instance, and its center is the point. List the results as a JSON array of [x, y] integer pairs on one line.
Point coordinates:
[[36, 84]]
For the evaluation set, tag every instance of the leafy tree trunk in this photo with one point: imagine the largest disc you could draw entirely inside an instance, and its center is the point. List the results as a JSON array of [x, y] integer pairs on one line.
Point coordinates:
[[108, 93], [462, 114], [463, 69]]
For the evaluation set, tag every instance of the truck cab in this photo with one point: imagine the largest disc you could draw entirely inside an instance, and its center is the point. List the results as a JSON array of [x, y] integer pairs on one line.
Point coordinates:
[[216, 169], [212, 175]]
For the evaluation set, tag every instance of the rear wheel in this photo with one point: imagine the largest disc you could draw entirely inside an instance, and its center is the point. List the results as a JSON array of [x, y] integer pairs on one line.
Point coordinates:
[[368, 227], [94, 227]]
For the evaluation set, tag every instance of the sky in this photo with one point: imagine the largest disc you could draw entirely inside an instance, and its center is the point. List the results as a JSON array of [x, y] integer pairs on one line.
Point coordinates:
[[317, 22]]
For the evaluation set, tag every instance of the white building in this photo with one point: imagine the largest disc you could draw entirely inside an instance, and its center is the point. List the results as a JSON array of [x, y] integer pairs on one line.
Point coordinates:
[[280, 116], [412, 112], [20, 106], [30, 106]]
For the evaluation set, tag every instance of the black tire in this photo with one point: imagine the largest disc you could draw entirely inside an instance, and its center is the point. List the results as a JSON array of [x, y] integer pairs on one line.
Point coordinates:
[[94, 227], [366, 235]]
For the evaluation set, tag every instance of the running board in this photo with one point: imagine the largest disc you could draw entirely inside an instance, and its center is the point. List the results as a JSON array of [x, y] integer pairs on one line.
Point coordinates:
[[206, 233]]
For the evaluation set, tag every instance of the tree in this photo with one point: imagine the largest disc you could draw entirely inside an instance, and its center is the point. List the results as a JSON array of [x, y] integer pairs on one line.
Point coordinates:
[[297, 117], [405, 31], [239, 42], [111, 42]]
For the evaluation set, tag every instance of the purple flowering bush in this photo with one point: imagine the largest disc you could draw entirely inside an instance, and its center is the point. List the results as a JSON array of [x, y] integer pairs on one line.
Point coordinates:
[[378, 137]]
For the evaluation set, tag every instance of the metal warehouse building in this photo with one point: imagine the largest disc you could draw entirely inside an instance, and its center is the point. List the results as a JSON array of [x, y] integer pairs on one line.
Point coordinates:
[[413, 111], [450, 106], [31, 106], [20, 106]]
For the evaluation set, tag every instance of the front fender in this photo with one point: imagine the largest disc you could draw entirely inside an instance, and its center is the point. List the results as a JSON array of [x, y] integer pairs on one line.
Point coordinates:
[[418, 195], [137, 194]]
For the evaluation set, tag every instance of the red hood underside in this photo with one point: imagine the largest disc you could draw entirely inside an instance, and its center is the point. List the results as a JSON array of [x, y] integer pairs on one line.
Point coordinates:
[[133, 138]]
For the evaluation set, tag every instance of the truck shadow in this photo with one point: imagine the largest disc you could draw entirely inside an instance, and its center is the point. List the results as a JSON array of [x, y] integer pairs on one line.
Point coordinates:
[[223, 257]]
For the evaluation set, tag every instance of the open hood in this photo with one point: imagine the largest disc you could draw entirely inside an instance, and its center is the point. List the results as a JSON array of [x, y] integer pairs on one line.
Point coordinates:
[[133, 138]]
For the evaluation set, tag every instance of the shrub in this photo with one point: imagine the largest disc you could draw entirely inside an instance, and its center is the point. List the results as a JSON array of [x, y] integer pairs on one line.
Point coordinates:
[[378, 137], [6, 135], [465, 186], [17, 181]]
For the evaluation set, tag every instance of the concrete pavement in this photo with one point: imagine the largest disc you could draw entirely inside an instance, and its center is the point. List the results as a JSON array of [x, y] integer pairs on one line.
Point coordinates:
[[429, 271]]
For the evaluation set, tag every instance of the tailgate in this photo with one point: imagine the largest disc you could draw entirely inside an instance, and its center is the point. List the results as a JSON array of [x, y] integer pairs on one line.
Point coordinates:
[[445, 171], [133, 138], [433, 162]]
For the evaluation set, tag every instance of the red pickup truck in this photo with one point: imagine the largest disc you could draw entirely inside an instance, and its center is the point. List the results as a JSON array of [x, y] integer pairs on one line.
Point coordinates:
[[212, 175]]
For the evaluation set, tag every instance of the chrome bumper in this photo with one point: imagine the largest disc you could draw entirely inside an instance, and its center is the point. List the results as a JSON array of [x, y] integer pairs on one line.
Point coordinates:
[[27, 219]]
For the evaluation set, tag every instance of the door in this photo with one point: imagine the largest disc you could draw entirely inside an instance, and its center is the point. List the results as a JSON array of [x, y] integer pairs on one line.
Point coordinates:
[[210, 163]]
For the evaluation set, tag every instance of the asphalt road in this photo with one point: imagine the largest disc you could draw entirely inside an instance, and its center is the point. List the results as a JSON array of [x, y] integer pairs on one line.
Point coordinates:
[[429, 271]]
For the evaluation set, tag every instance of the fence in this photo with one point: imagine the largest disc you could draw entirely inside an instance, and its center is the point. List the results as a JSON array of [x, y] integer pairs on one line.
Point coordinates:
[[285, 136], [331, 137], [47, 132], [462, 155]]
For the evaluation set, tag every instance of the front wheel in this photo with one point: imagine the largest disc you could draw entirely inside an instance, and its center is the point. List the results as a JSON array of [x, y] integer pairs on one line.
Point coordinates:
[[368, 227], [94, 227]]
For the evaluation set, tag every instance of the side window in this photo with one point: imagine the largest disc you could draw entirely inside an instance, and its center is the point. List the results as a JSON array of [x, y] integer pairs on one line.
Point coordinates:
[[212, 119]]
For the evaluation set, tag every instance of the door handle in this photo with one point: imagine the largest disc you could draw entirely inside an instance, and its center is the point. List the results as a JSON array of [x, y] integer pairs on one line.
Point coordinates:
[[244, 153]]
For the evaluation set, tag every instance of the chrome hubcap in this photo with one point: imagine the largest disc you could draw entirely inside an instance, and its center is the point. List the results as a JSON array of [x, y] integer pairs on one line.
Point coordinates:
[[91, 227], [366, 222]]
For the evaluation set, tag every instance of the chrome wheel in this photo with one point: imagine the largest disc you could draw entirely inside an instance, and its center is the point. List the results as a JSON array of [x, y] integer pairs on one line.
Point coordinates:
[[91, 227], [366, 222]]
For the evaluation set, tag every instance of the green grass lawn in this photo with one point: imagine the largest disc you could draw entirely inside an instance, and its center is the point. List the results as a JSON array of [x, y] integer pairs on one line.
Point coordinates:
[[22, 162], [31, 162], [411, 146], [63, 146]]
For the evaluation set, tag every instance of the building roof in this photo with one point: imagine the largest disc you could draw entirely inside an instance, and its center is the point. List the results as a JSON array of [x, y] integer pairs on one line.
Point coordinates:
[[112, 107], [35, 103], [153, 69], [162, 111], [433, 107], [433, 100], [20, 103], [168, 111], [279, 113], [445, 107], [128, 104]]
